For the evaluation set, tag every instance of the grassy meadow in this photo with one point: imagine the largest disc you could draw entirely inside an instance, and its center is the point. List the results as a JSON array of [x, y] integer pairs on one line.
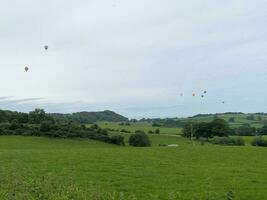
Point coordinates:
[[44, 168], [239, 119], [144, 126]]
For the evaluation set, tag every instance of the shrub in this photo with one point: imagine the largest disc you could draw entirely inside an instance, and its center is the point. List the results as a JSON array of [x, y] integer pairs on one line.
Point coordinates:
[[94, 126], [139, 140], [155, 124], [45, 126], [229, 141], [124, 131], [239, 141], [140, 131], [14, 125], [117, 139], [150, 132], [157, 131], [259, 141]]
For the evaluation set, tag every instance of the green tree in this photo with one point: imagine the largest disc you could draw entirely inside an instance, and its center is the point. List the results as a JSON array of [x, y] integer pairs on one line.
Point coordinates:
[[264, 130], [37, 116], [14, 125], [219, 127], [157, 131], [139, 140], [246, 130], [250, 117], [231, 119], [189, 129]]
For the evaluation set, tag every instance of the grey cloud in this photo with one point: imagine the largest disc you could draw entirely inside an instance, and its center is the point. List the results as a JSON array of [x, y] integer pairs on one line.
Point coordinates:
[[140, 53]]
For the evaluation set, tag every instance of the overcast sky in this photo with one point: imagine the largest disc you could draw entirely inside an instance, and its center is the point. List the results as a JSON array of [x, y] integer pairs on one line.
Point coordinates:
[[134, 57]]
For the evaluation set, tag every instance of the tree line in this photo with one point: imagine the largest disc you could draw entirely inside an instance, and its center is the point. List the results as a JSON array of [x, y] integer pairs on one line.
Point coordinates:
[[38, 123], [218, 127]]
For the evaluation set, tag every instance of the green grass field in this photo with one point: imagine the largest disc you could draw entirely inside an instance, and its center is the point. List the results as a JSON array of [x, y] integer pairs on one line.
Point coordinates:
[[239, 119], [42, 168], [145, 126]]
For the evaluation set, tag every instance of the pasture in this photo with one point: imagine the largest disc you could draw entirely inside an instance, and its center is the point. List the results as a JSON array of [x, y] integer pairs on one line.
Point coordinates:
[[43, 168], [144, 126]]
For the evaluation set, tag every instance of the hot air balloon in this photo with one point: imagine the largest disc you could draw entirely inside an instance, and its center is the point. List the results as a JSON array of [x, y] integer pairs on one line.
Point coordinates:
[[223, 102], [45, 47], [26, 69], [202, 96], [205, 92], [193, 94], [181, 94]]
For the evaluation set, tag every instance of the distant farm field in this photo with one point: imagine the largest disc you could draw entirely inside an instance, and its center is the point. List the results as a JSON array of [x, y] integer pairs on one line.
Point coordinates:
[[42, 168], [145, 126]]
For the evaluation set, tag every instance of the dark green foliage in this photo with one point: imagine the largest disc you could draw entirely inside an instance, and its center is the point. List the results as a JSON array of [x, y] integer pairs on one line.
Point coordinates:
[[250, 117], [217, 127], [155, 124], [89, 117], [139, 140], [95, 127], [246, 130], [150, 132], [37, 116], [188, 129], [259, 141], [41, 124], [157, 131], [232, 120], [117, 139], [14, 125], [172, 123], [124, 131], [9, 116], [263, 131], [140, 131], [229, 141]]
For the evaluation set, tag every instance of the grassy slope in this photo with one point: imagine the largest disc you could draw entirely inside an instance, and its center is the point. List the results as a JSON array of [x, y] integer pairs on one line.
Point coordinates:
[[239, 119], [145, 172], [145, 126]]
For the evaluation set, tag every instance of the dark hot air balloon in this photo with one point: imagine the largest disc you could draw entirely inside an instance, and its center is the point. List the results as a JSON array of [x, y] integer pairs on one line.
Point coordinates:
[[45, 47], [26, 69]]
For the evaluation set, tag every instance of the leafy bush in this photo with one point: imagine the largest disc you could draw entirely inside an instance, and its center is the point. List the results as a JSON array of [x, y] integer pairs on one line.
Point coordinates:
[[124, 131], [263, 130], [246, 130], [155, 124], [229, 141], [140, 131], [157, 131], [259, 141], [117, 139], [139, 140], [150, 132]]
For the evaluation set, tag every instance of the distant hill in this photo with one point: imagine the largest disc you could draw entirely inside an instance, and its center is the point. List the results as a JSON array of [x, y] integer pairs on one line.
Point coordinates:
[[235, 119], [90, 117], [80, 117]]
